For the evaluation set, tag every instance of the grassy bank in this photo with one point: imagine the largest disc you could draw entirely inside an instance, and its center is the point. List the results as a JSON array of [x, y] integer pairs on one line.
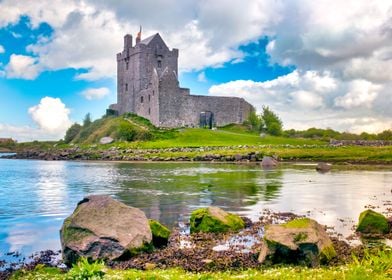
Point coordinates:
[[375, 266], [150, 143]]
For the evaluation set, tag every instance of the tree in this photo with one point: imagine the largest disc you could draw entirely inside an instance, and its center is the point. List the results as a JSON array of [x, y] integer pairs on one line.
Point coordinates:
[[272, 123], [72, 132], [255, 121], [87, 120]]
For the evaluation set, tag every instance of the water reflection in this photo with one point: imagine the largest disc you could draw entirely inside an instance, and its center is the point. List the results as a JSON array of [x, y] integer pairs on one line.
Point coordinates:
[[37, 195]]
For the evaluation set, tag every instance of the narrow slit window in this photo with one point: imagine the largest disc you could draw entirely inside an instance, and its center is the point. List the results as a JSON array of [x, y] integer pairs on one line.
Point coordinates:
[[141, 99], [159, 64], [149, 111], [152, 92], [149, 98], [126, 87], [126, 65]]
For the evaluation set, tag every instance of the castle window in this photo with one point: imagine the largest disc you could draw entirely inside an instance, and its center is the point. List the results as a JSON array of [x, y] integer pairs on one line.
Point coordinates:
[[149, 97], [126, 87], [159, 64], [126, 65], [152, 92], [149, 111], [141, 99]]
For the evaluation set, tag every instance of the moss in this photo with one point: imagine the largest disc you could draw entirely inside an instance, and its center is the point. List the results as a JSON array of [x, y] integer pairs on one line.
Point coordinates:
[[372, 222], [327, 254], [160, 233], [70, 234], [300, 237], [146, 247], [298, 223], [202, 221]]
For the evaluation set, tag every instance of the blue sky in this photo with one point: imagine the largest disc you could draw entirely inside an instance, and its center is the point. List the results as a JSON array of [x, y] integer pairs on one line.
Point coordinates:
[[308, 60]]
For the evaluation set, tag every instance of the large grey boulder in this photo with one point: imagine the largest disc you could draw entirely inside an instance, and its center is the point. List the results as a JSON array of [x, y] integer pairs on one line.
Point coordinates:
[[106, 140], [301, 241], [103, 228]]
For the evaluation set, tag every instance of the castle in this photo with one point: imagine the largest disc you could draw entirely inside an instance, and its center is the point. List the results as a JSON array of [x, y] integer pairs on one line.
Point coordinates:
[[147, 85]]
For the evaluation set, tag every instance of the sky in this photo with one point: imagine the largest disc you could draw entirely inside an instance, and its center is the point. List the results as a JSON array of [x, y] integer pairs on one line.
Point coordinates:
[[322, 63]]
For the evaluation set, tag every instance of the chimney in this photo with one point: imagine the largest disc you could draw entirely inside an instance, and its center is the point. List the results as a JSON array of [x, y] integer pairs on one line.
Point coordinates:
[[139, 35]]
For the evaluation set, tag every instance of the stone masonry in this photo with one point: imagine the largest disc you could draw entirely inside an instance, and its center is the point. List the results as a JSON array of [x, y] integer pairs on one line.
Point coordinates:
[[147, 85]]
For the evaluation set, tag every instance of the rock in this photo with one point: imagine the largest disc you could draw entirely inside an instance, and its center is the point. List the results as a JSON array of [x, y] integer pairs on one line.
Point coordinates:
[[106, 140], [149, 266], [269, 162], [323, 167], [214, 219], [301, 241], [160, 233], [103, 228], [372, 222]]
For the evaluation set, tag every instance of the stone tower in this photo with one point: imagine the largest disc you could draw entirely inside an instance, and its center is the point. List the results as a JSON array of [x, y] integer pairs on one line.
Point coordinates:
[[139, 67], [147, 85]]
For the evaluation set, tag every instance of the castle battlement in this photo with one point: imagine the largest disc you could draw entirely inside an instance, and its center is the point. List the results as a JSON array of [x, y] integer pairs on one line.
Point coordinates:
[[147, 85]]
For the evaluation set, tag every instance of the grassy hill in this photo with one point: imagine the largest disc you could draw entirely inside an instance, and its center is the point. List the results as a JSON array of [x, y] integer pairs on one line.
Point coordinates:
[[127, 127], [136, 132]]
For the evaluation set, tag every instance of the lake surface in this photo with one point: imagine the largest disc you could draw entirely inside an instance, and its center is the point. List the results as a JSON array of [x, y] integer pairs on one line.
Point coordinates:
[[36, 196]]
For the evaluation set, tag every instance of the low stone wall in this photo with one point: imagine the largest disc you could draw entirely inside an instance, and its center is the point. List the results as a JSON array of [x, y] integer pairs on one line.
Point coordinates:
[[372, 143]]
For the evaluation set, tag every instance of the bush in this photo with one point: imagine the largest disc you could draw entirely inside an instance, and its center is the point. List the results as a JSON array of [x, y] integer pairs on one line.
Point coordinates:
[[126, 131], [86, 270], [72, 132]]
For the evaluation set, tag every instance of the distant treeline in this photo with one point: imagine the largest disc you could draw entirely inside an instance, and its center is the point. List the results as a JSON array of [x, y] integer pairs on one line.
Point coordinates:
[[327, 134]]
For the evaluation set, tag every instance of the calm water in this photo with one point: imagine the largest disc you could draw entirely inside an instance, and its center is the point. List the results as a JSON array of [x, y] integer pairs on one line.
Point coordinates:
[[36, 196]]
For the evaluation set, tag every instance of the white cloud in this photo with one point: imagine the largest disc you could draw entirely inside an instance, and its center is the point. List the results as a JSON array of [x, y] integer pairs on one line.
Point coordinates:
[[361, 93], [341, 49], [95, 93], [2, 50], [51, 115], [314, 99], [22, 66]]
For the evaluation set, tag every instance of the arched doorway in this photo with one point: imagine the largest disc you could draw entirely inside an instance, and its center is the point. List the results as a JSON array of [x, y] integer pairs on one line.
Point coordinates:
[[207, 119]]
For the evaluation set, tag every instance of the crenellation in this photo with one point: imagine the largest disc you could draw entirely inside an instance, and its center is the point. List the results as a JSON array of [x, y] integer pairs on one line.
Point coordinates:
[[147, 85]]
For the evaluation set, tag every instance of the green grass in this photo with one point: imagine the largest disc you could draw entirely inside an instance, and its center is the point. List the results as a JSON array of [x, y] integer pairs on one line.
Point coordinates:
[[197, 137], [372, 266]]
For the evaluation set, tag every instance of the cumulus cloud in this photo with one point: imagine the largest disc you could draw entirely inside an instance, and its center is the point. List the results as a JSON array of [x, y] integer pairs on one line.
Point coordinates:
[[51, 115], [95, 93], [315, 99], [2, 50], [22, 66], [341, 49]]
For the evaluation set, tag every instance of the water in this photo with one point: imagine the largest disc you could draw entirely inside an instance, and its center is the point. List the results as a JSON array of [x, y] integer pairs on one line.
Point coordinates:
[[36, 196]]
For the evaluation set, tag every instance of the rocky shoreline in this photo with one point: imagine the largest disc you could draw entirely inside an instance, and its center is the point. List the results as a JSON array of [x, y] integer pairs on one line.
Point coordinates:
[[167, 154]]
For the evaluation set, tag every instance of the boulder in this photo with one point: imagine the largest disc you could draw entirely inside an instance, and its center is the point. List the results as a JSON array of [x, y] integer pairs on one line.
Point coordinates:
[[269, 162], [372, 222], [106, 140], [214, 219], [103, 228], [160, 233], [301, 241], [323, 167]]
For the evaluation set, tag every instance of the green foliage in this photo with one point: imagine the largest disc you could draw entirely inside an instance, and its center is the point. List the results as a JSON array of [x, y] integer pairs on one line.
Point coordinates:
[[255, 121], [273, 124], [72, 132], [85, 270], [87, 120], [373, 266], [126, 131]]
